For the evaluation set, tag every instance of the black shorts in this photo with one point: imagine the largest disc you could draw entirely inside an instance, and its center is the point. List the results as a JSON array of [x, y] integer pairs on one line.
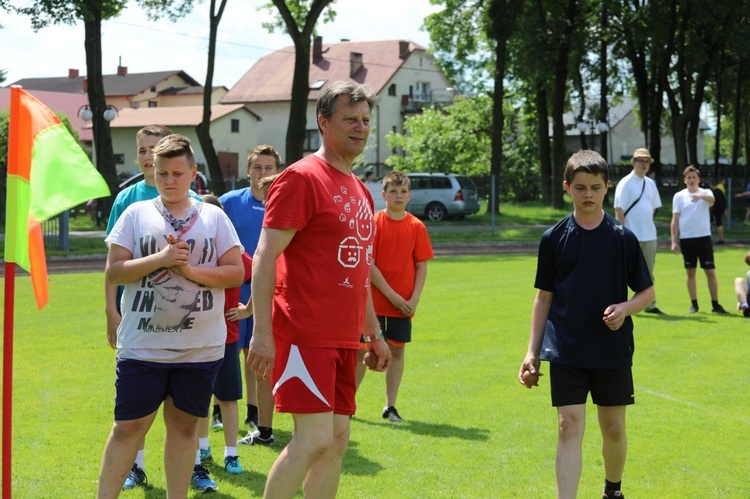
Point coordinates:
[[228, 385], [716, 218], [142, 386], [608, 387], [396, 328], [698, 248]]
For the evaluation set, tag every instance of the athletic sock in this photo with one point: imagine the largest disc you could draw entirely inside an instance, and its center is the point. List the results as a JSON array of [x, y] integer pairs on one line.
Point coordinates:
[[265, 432], [743, 305], [609, 486], [140, 459], [230, 451], [217, 410], [695, 303], [203, 443], [715, 304], [252, 412], [198, 457]]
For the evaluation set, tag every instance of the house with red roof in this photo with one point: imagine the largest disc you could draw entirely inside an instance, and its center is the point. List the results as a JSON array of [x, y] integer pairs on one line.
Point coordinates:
[[132, 90], [402, 73]]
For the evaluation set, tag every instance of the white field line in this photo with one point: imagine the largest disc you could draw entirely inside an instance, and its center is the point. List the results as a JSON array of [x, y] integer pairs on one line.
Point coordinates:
[[694, 406]]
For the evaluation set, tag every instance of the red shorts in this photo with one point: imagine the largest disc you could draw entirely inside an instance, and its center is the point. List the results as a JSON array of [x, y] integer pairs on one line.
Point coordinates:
[[310, 380]]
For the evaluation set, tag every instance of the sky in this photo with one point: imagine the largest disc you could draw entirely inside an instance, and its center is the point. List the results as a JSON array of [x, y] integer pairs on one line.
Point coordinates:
[[143, 46]]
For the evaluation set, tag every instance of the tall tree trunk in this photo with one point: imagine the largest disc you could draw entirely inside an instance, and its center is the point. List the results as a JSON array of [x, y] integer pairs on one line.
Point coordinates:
[[718, 111], [501, 32], [737, 116], [203, 130], [603, 87], [296, 131], [545, 160], [297, 127], [559, 100], [103, 154]]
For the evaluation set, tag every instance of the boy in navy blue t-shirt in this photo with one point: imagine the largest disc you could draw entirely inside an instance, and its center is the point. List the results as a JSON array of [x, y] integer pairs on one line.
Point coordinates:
[[581, 322]]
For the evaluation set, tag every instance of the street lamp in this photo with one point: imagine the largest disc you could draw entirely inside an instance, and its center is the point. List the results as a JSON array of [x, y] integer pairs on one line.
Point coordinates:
[[108, 113], [591, 125]]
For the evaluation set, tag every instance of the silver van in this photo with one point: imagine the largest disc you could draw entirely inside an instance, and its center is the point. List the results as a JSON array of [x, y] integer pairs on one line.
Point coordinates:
[[437, 196]]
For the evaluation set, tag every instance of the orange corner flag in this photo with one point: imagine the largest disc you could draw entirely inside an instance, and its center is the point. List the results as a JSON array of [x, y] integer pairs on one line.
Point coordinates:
[[48, 173]]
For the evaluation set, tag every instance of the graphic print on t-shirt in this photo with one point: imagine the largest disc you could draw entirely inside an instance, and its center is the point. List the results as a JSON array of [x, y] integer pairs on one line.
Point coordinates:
[[356, 248], [166, 301]]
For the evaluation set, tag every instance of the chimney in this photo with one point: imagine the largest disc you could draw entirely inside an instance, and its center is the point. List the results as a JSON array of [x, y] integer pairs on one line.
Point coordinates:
[[122, 70], [403, 49], [72, 73], [317, 49], [85, 85], [355, 63]]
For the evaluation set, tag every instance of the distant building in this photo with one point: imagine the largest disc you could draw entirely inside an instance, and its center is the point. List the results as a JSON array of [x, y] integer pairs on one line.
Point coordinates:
[[402, 74], [234, 130], [132, 90], [624, 136]]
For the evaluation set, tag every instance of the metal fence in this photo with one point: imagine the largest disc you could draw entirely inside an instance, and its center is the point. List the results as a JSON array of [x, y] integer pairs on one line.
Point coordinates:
[[56, 232]]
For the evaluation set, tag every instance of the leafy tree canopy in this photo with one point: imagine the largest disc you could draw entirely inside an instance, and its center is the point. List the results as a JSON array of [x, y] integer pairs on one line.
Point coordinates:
[[299, 10]]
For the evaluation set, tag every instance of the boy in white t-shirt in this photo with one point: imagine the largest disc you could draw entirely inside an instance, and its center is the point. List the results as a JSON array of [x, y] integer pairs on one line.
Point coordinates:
[[691, 220], [174, 256]]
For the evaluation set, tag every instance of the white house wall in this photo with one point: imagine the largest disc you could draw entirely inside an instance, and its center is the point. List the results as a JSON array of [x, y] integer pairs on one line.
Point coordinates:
[[123, 141]]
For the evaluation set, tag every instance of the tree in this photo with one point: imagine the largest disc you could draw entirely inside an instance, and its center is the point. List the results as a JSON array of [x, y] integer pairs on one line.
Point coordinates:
[[292, 15], [475, 59], [3, 75], [91, 12]]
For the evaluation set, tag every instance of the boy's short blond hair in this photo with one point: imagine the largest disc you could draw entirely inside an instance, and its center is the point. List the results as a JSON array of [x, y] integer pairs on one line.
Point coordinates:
[[153, 131], [264, 150], [174, 146], [691, 169], [586, 161], [396, 178]]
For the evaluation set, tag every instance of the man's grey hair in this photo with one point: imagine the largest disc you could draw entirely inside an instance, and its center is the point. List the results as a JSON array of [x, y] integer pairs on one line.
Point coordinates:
[[356, 93]]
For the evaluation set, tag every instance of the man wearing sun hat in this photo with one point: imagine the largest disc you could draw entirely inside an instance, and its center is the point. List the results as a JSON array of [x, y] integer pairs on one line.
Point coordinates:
[[636, 202]]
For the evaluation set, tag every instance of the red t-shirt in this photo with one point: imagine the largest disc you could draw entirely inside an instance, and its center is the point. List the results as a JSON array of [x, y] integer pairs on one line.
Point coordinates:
[[321, 290], [232, 299], [399, 245]]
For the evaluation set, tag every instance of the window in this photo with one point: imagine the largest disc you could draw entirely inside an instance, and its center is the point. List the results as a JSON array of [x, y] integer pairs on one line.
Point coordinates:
[[151, 103], [119, 159], [312, 140], [441, 183], [423, 91], [235, 126], [392, 89], [317, 85]]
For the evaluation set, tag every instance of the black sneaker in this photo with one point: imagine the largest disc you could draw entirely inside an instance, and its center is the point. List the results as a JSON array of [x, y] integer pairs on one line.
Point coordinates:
[[693, 309], [718, 309], [612, 494], [136, 478], [391, 414], [653, 311]]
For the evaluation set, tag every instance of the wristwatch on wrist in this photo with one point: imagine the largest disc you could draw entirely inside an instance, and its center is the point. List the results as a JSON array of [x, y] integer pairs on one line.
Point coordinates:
[[375, 337]]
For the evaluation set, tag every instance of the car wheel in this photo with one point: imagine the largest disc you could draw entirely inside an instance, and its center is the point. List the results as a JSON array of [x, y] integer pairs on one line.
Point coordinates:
[[436, 212]]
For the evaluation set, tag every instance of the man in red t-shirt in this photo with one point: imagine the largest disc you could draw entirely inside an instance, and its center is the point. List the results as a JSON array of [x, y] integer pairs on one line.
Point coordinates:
[[319, 220], [402, 248]]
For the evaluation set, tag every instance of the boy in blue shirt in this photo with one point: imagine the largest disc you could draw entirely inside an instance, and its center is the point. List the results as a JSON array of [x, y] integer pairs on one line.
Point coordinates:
[[581, 322]]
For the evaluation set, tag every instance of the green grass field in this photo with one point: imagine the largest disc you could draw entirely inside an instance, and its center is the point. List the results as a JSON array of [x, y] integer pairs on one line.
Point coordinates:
[[472, 430]]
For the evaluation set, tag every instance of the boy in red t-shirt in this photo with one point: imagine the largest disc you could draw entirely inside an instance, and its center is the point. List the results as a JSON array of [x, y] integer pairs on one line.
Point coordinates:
[[400, 253]]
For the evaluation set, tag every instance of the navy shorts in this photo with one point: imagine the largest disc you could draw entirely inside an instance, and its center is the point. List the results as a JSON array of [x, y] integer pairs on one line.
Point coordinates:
[[142, 387], [396, 328], [228, 385], [608, 387], [246, 332], [698, 248]]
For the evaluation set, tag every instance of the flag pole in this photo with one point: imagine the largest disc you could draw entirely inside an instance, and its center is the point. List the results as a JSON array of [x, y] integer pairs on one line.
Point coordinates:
[[10, 285]]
